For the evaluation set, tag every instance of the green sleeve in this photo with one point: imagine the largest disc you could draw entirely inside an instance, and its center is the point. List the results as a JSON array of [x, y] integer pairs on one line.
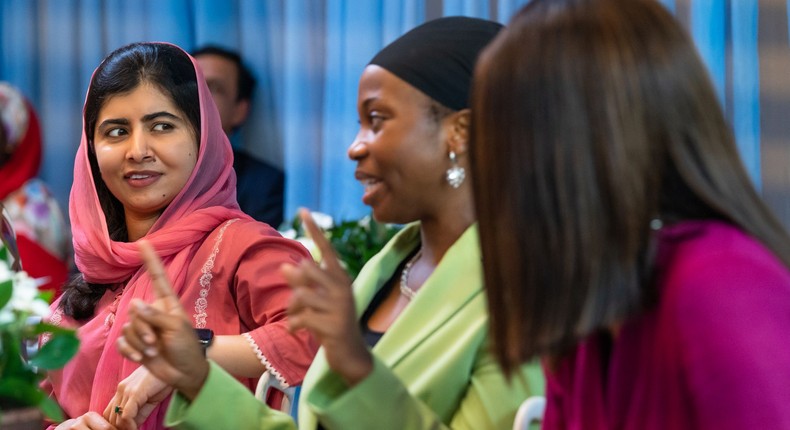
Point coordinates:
[[224, 403], [381, 401], [492, 400]]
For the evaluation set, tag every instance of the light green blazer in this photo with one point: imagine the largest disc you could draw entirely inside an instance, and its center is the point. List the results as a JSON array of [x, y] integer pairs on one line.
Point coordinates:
[[432, 368]]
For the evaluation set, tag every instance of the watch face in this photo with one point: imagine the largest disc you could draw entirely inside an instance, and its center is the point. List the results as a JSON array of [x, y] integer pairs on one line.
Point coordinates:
[[205, 336]]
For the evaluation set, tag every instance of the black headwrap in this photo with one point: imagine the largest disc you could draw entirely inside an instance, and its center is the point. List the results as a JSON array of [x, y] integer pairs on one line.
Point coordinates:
[[438, 57]]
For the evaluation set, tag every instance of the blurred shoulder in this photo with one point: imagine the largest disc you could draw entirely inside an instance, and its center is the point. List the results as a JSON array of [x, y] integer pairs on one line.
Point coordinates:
[[243, 162], [244, 234], [710, 267]]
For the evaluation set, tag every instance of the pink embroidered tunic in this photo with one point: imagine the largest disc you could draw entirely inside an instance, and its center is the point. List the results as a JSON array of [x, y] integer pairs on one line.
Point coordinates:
[[223, 265], [233, 287]]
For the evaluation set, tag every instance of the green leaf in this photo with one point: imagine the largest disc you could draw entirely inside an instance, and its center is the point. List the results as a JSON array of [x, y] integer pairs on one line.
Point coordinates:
[[20, 391], [6, 290], [51, 409], [46, 295], [11, 357], [55, 353], [43, 327]]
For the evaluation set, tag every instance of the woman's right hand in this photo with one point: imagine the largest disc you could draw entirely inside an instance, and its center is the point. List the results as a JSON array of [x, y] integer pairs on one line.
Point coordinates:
[[89, 421], [135, 399], [160, 335], [323, 303]]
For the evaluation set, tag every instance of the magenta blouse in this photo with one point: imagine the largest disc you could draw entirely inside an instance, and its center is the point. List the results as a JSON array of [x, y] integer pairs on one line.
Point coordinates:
[[713, 354]]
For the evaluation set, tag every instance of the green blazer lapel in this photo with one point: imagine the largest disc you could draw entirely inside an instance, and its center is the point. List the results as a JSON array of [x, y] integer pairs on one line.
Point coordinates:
[[374, 274], [455, 282], [380, 268]]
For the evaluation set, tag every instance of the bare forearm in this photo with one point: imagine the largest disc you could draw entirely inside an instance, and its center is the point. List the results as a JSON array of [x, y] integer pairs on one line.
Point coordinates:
[[236, 356]]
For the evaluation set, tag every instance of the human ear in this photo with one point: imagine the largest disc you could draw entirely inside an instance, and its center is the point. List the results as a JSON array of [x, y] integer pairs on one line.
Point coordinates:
[[458, 138]]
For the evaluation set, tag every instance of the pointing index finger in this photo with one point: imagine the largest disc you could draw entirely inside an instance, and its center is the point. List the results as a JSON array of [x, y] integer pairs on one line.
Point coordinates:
[[156, 271], [327, 252]]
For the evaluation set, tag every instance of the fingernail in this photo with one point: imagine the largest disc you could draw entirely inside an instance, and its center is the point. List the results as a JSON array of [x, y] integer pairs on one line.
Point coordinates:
[[135, 356], [149, 338], [151, 352]]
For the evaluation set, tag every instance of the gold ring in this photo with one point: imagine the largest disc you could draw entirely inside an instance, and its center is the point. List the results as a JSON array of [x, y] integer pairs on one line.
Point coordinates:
[[118, 410]]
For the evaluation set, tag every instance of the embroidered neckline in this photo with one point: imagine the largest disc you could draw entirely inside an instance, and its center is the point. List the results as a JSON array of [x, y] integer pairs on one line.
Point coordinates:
[[201, 303]]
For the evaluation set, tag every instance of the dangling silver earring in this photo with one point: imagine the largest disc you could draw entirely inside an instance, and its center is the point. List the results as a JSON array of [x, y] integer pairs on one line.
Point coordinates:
[[456, 174]]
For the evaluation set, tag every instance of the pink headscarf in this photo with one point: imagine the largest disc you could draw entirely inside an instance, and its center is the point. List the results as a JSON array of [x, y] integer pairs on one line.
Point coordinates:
[[207, 200]]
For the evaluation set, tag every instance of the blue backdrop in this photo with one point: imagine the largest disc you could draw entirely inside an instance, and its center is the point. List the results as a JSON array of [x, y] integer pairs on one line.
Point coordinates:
[[307, 56]]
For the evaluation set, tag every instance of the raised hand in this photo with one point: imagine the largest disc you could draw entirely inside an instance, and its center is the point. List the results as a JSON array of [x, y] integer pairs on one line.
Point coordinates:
[[160, 335], [135, 399], [323, 304]]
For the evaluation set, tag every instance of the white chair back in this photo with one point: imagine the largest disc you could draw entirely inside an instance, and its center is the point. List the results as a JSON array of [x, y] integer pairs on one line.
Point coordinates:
[[290, 398], [531, 410]]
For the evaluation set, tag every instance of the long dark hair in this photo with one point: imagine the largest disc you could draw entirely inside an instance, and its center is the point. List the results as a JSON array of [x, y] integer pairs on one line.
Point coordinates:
[[171, 70], [590, 119]]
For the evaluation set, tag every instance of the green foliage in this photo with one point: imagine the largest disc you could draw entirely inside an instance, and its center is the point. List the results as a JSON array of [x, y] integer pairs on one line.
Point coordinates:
[[21, 308], [57, 352], [6, 290], [354, 241], [20, 378]]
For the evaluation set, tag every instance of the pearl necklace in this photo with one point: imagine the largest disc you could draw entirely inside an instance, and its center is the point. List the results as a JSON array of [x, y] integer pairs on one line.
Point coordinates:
[[407, 292]]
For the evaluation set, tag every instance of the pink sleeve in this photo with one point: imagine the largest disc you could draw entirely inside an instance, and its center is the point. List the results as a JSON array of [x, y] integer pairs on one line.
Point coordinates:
[[262, 296], [733, 319]]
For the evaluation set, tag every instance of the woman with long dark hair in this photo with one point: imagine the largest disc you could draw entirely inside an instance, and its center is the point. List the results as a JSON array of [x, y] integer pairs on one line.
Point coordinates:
[[155, 164], [621, 235]]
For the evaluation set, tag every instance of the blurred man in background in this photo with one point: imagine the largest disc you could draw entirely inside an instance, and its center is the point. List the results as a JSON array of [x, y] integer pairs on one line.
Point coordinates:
[[260, 185]]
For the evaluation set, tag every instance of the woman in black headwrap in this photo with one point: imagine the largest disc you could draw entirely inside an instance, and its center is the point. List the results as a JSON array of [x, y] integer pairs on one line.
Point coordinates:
[[409, 349]]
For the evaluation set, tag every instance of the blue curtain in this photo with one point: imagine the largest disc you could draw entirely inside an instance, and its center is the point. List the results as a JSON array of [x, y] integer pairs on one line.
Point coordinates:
[[476, 8], [669, 4], [307, 56], [746, 84], [709, 27]]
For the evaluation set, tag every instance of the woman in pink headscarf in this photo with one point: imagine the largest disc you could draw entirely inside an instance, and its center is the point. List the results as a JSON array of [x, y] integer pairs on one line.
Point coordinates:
[[154, 163], [42, 232]]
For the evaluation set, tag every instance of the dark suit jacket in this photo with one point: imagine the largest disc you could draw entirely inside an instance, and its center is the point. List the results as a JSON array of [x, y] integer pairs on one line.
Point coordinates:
[[260, 188]]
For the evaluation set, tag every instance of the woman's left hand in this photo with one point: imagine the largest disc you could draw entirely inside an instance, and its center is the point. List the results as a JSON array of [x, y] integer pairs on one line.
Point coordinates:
[[323, 304], [137, 396]]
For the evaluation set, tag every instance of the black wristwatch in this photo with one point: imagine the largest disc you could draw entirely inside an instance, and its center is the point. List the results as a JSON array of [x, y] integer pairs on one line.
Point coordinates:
[[205, 337]]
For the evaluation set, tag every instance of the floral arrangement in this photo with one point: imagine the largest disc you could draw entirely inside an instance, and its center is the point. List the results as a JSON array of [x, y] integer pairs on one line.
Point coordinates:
[[22, 308], [355, 241]]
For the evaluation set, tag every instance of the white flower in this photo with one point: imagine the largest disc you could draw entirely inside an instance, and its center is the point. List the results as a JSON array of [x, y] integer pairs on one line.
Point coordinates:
[[6, 315], [364, 222], [24, 296], [323, 220], [5, 271], [311, 247], [289, 234]]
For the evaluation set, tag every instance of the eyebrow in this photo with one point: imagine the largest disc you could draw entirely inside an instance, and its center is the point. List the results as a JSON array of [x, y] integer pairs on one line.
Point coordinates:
[[368, 101], [146, 118], [112, 121], [153, 116]]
